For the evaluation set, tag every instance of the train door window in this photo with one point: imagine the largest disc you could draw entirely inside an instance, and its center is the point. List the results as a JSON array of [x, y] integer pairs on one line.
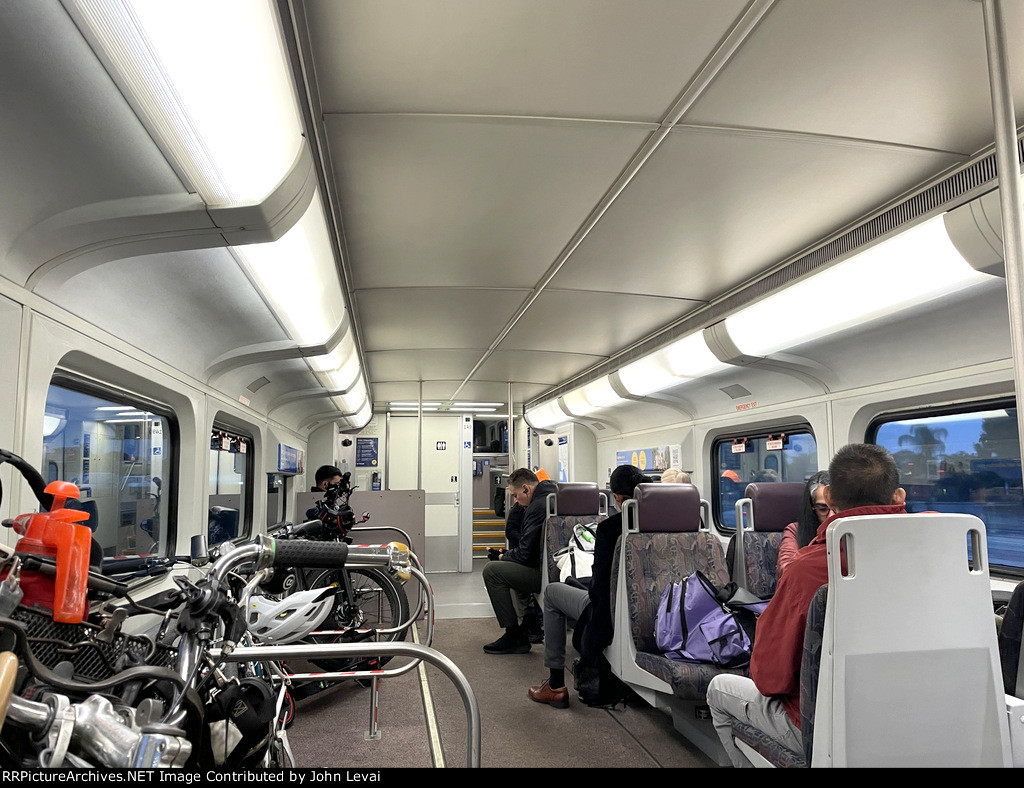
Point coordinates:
[[785, 455], [231, 485], [121, 452], [965, 460]]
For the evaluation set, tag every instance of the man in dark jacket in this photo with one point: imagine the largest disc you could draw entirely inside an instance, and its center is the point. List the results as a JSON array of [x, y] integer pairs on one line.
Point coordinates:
[[518, 569]]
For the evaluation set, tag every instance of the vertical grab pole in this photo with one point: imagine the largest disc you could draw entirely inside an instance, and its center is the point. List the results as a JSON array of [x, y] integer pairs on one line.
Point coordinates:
[[1008, 167], [374, 731]]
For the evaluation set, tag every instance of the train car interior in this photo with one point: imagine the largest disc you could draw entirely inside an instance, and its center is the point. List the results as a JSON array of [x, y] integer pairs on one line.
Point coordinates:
[[429, 242]]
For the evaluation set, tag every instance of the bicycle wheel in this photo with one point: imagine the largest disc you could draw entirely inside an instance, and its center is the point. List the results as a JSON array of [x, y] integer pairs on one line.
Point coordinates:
[[377, 602]]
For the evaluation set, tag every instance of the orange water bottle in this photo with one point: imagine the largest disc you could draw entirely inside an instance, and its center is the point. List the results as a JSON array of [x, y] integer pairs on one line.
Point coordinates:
[[57, 534]]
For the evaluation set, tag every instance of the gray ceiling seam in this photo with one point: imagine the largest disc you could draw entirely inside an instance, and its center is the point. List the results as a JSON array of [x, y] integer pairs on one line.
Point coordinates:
[[720, 56]]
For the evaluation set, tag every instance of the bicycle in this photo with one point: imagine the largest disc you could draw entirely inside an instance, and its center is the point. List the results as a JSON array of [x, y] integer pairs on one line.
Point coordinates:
[[370, 603]]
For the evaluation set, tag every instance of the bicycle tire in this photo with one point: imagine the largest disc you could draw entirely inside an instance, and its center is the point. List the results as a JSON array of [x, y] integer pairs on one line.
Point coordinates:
[[382, 604]]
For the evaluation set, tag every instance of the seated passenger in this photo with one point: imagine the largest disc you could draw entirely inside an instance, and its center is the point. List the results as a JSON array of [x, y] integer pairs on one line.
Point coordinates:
[[518, 568], [567, 606], [812, 514], [864, 481], [326, 474], [675, 476], [526, 603]]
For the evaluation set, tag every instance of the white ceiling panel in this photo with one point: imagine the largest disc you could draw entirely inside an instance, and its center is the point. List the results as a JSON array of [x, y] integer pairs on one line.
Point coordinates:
[[711, 210], [68, 136], [574, 58], [420, 364], [593, 323], [456, 201], [911, 72], [187, 308], [534, 366], [434, 317]]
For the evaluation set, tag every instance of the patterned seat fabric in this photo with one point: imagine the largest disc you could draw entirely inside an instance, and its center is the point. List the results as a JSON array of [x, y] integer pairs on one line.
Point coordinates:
[[810, 669], [652, 561], [761, 554]]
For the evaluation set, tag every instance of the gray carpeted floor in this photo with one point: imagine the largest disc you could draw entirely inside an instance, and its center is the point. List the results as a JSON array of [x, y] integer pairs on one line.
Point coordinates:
[[330, 728]]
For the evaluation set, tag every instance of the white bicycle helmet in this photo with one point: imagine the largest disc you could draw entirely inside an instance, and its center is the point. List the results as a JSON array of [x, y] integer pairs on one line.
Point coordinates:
[[274, 621]]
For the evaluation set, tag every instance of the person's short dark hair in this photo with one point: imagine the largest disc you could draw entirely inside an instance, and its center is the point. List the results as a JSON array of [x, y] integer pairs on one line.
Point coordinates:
[[326, 472], [625, 478], [521, 476], [862, 474]]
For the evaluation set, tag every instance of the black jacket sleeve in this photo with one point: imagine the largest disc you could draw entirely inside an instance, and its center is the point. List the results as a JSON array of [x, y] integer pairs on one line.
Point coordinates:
[[528, 551], [514, 525]]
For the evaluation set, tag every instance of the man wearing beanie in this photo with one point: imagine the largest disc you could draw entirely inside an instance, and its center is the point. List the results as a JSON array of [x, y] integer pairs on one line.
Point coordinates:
[[567, 607], [518, 569]]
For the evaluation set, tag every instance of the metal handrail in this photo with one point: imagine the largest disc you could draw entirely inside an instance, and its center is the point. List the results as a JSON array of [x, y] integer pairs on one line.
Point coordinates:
[[408, 541], [391, 649], [385, 673]]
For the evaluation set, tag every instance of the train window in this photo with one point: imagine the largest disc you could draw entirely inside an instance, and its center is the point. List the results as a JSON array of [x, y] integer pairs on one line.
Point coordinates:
[[120, 450], [966, 461], [785, 455], [231, 485]]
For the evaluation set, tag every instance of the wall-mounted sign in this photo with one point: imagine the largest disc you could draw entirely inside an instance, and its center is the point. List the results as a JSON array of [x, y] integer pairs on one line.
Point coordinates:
[[290, 459], [367, 455], [656, 459], [442, 446]]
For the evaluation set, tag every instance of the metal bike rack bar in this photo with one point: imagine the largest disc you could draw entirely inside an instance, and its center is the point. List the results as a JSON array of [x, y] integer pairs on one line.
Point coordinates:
[[407, 542], [405, 624], [314, 651]]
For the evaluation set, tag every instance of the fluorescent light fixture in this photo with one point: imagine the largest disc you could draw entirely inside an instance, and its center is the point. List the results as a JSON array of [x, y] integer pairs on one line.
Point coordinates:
[[53, 422], [482, 405], [212, 82], [462, 409], [362, 418], [684, 359], [353, 401], [298, 276], [546, 415], [408, 409], [414, 405], [911, 268]]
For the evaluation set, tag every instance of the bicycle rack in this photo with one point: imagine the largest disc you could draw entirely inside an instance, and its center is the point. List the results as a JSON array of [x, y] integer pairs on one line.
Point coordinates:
[[408, 541], [374, 676], [391, 649]]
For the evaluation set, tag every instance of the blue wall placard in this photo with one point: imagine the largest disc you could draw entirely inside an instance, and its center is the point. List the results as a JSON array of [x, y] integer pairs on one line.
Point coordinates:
[[367, 455], [289, 459]]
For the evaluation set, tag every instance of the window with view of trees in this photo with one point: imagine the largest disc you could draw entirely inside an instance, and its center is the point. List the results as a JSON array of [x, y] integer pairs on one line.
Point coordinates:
[[966, 462]]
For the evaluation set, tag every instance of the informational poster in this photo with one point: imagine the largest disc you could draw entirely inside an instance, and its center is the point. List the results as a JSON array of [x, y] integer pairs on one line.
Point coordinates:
[[563, 458], [654, 459], [367, 454], [290, 459]]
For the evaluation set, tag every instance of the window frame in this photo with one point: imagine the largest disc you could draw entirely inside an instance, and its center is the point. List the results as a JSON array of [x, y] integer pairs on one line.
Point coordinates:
[[792, 428], [249, 497], [93, 387], [950, 409]]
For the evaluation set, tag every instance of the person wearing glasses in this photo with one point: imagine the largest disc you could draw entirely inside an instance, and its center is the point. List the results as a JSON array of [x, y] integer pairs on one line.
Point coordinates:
[[812, 514]]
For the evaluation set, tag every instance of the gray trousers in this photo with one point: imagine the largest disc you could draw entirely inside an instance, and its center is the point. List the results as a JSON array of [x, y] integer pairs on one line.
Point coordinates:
[[503, 577], [563, 605], [736, 698]]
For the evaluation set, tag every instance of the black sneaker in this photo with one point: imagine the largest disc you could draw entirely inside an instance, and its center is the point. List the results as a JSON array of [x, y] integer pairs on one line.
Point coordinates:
[[534, 631], [511, 642]]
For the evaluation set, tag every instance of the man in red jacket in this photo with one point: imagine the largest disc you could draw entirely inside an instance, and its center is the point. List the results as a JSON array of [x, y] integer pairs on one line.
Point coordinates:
[[864, 481]]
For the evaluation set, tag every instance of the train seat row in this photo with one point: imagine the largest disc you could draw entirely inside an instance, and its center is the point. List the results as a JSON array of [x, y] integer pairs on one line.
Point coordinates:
[[935, 657]]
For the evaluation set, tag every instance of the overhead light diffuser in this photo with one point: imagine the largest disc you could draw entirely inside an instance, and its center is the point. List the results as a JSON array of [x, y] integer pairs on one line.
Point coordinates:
[[911, 268]]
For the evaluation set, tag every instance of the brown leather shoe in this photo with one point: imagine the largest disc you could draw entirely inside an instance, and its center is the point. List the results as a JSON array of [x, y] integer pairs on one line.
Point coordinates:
[[559, 698]]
